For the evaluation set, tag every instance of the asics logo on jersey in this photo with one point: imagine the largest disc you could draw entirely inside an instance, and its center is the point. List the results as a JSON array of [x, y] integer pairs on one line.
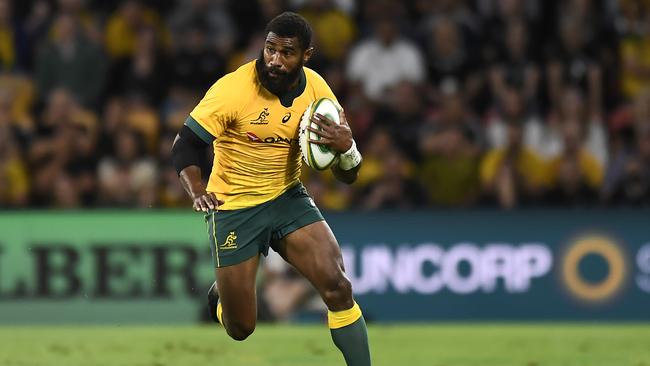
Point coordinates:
[[261, 119], [230, 241], [286, 117]]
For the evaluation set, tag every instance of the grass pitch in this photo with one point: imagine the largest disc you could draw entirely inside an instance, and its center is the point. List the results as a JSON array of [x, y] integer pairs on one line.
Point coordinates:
[[430, 345]]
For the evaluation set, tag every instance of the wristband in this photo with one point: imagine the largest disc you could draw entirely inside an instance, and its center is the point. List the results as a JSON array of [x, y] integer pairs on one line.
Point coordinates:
[[351, 158]]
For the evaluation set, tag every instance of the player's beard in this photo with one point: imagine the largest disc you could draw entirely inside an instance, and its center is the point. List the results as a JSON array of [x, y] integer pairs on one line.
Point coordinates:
[[277, 85]]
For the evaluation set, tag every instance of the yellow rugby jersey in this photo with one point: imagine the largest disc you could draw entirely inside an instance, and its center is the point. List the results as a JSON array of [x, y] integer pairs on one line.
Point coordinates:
[[254, 134]]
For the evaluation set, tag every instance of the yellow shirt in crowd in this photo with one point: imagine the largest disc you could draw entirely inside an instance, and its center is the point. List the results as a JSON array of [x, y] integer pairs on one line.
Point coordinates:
[[527, 164]]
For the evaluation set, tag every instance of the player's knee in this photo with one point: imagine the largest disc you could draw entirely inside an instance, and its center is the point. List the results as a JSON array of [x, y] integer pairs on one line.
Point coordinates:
[[338, 293], [240, 331]]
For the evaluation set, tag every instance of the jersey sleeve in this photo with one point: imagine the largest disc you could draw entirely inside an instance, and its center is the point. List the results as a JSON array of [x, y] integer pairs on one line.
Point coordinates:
[[214, 112]]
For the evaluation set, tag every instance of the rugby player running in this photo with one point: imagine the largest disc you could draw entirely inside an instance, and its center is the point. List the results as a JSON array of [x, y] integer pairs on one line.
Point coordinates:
[[254, 199]]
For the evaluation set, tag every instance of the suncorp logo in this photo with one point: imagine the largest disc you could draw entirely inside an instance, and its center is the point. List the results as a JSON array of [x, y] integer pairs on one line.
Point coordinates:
[[592, 268], [463, 268], [575, 268]]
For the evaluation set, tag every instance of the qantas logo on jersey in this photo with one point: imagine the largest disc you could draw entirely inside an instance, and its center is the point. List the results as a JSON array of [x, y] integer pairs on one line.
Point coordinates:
[[271, 139], [261, 119]]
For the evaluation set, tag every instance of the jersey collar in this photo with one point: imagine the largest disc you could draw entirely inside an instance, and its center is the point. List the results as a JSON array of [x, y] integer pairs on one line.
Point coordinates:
[[287, 98]]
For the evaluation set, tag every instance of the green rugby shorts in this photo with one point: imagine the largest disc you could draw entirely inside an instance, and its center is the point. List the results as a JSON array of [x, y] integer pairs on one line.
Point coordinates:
[[237, 235]]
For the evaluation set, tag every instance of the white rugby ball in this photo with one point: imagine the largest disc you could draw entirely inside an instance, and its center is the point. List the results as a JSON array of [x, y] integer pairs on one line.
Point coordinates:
[[317, 156]]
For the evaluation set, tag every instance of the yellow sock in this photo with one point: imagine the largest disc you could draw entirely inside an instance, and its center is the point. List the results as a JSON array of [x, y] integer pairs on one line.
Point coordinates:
[[339, 319], [219, 313]]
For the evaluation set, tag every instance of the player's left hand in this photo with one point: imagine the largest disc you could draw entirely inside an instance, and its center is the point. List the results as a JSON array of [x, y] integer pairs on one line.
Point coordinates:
[[337, 137]]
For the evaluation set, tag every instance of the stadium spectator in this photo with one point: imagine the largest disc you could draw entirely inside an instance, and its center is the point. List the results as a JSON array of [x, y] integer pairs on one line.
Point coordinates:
[[627, 181], [512, 106], [113, 118], [634, 47], [453, 113], [14, 177], [549, 142], [385, 59], [376, 149], [249, 52], [76, 185], [197, 64], [590, 14], [417, 76], [334, 30], [144, 118], [123, 26], [127, 178], [515, 65], [449, 147], [403, 115], [36, 26], [449, 60], [145, 72], [574, 63], [89, 25], [545, 137], [326, 191], [457, 11], [513, 175], [395, 189], [62, 154], [498, 15], [577, 175], [216, 24], [13, 42], [449, 173], [13, 115], [358, 107], [597, 21], [70, 61]]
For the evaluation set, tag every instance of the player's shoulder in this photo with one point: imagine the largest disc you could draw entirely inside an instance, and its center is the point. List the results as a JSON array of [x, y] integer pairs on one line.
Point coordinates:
[[313, 77], [318, 84]]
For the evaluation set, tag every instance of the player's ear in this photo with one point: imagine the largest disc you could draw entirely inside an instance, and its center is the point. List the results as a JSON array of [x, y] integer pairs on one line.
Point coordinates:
[[307, 54]]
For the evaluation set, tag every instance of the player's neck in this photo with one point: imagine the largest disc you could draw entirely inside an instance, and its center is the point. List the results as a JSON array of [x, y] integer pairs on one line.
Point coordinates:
[[296, 88]]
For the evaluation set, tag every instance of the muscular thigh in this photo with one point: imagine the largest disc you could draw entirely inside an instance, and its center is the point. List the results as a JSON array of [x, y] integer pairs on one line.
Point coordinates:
[[313, 247], [236, 286], [314, 252]]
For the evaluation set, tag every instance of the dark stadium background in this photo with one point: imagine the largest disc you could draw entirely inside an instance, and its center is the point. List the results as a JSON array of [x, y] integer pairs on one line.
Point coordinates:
[[506, 149]]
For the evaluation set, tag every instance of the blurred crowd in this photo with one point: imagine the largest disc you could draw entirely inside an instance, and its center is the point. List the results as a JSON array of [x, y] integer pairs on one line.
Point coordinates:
[[508, 103]]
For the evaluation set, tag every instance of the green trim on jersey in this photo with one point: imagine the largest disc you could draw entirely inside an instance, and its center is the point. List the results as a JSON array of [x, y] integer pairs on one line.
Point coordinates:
[[199, 130]]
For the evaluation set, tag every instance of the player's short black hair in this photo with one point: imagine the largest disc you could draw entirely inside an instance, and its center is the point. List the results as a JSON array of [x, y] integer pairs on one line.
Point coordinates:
[[289, 25]]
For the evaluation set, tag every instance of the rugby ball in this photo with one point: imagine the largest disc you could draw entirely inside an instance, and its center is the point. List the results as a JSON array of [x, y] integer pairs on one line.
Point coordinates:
[[319, 157]]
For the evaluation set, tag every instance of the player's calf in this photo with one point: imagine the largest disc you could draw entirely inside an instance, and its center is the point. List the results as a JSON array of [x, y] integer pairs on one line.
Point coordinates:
[[345, 320]]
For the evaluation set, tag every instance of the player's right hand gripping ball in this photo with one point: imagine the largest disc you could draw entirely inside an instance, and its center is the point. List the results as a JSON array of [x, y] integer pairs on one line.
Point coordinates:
[[317, 156]]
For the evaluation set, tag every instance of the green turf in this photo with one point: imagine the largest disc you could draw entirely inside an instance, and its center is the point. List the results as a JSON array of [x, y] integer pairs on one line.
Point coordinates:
[[430, 345]]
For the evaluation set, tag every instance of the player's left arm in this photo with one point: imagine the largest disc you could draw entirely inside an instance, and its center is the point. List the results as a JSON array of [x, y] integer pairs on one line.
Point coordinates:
[[338, 137]]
